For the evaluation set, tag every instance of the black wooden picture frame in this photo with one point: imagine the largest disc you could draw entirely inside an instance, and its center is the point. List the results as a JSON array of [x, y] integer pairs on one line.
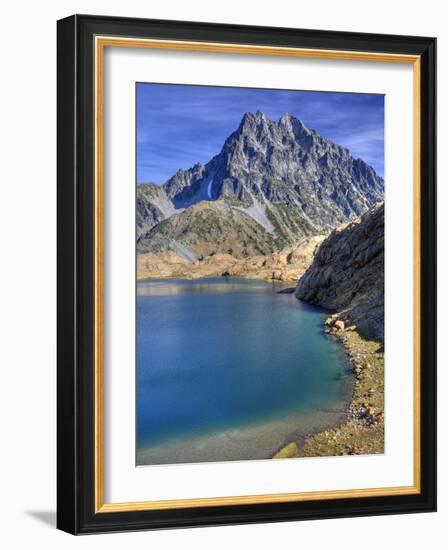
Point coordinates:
[[78, 509]]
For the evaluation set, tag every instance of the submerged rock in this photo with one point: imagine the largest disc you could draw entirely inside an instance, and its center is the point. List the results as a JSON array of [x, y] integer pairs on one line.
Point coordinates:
[[290, 290]]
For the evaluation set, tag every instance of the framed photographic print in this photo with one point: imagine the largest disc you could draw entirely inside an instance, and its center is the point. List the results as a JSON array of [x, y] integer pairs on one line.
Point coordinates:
[[246, 274]]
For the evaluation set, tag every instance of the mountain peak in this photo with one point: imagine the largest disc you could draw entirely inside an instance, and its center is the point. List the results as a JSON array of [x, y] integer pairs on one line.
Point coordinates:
[[286, 177], [286, 118], [287, 121], [281, 162], [291, 122], [251, 119]]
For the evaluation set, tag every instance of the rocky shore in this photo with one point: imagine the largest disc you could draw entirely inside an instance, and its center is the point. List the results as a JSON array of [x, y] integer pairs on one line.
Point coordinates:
[[347, 274], [363, 430]]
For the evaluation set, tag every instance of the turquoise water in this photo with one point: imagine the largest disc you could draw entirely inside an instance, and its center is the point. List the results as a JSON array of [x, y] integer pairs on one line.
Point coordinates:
[[217, 355]]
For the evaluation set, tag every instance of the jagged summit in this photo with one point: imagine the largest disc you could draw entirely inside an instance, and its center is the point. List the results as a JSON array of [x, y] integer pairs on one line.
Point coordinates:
[[285, 176], [251, 117], [258, 121], [291, 122]]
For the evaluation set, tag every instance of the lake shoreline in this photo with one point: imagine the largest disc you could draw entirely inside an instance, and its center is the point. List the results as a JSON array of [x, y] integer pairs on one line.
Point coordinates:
[[362, 432], [261, 440], [194, 276]]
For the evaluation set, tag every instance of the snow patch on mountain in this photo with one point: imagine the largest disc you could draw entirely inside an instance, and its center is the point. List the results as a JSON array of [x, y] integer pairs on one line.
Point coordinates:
[[209, 189]]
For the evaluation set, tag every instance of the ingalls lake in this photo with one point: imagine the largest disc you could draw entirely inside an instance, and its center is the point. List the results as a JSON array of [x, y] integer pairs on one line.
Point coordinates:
[[229, 369]]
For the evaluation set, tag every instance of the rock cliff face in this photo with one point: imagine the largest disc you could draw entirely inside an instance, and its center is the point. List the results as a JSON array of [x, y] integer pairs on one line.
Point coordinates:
[[347, 274], [278, 181]]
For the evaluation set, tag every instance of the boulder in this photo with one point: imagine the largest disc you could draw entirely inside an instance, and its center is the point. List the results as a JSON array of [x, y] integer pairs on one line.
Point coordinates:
[[290, 451]]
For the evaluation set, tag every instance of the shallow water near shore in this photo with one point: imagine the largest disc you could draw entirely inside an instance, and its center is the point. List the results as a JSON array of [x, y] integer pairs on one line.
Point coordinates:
[[228, 369]]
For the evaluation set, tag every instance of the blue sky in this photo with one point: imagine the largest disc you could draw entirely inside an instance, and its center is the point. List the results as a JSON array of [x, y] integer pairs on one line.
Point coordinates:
[[179, 125]]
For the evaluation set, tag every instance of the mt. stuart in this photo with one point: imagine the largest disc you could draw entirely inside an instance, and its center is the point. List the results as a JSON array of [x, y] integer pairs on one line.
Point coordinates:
[[273, 189]]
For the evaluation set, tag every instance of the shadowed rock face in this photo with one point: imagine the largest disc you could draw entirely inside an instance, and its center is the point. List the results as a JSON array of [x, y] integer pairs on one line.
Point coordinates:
[[283, 176], [347, 273]]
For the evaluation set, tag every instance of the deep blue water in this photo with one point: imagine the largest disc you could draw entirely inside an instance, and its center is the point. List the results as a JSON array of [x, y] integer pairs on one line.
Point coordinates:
[[219, 353]]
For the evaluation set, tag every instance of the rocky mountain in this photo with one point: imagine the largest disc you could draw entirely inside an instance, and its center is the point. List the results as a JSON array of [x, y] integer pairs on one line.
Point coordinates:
[[347, 274], [152, 206], [207, 227], [272, 183]]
